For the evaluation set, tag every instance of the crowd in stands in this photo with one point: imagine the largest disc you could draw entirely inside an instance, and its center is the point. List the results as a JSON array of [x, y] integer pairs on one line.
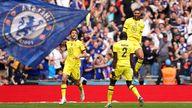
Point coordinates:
[[167, 35]]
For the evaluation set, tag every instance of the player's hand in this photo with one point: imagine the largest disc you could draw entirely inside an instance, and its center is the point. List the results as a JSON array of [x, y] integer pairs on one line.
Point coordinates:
[[77, 57], [123, 19]]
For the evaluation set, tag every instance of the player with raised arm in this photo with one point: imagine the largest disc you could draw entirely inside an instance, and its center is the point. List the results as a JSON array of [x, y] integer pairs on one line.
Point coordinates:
[[134, 27]]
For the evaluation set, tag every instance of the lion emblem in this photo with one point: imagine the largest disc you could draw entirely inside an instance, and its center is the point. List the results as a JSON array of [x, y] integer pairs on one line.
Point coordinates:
[[27, 25]]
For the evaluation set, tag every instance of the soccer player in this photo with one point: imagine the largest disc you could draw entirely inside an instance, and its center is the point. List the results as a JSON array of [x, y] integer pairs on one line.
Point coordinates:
[[134, 27], [75, 50], [122, 53]]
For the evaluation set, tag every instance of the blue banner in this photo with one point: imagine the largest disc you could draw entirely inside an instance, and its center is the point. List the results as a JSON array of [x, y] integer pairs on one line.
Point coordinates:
[[31, 29]]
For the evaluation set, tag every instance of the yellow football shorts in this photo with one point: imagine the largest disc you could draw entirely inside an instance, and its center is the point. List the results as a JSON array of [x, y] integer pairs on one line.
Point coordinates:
[[73, 71], [136, 45], [126, 72]]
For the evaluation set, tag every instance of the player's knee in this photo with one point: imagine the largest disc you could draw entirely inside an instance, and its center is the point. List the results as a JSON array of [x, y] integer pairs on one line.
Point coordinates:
[[139, 54], [112, 82], [129, 83], [64, 79], [141, 57]]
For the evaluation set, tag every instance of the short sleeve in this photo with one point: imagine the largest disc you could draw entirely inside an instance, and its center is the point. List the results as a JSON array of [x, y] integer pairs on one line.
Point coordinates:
[[142, 25], [126, 25], [114, 47], [82, 47]]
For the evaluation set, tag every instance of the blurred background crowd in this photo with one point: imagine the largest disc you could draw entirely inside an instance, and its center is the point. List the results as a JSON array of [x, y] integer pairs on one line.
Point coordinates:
[[167, 36]]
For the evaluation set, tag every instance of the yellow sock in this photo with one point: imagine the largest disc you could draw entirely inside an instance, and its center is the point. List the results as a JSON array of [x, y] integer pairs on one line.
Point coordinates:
[[134, 90], [110, 93], [138, 65], [63, 90], [81, 88]]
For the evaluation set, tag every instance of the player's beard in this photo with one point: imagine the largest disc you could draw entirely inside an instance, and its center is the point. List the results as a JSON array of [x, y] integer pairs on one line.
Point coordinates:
[[74, 37], [137, 17]]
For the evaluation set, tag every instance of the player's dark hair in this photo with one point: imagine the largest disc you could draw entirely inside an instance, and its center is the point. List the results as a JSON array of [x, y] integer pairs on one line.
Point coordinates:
[[74, 30], [137, 9], [123, 36]]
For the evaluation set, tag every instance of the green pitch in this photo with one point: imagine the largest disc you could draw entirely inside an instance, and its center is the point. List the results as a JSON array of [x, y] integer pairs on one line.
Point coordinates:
[[96, 105]]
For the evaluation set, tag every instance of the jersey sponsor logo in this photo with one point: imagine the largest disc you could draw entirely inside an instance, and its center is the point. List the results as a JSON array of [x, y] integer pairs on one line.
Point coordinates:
[[28, 25]]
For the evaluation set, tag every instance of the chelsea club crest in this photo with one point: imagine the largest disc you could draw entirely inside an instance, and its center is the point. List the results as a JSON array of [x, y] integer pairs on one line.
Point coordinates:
[[28, 25]]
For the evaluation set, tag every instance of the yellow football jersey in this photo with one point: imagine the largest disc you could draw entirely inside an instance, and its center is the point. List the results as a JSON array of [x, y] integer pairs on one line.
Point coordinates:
[[123, 50], [134, 29], [74, 49]]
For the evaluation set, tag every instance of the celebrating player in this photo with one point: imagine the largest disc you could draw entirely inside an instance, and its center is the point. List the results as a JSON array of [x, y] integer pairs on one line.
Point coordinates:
[[122, 53], [75, 51], [134, 27]]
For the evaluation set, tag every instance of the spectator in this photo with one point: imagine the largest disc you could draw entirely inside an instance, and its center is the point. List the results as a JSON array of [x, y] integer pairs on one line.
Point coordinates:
[[189, 24], [174, 53], [176, 37], [163, 52], [169, 74], [98, 65], [3, 62], [125, 9], [173, 17], [149, 65], [190, 59], [118, 16], [153, 60], [64, 3], [108, 63], [78, 4], [88, 69], [33, 73], [111, 13], [51, 70], [18, 75], [189, 49], [3, 78], [45, 71], [148, 21], [168, 32], [146, 68], [56, 56], [189, 40], [185, 67], [155, 36], [51, 1], [182, 45]]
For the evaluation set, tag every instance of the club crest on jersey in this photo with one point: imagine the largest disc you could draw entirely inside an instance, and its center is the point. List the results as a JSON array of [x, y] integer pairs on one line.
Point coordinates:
[[28, 25]]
